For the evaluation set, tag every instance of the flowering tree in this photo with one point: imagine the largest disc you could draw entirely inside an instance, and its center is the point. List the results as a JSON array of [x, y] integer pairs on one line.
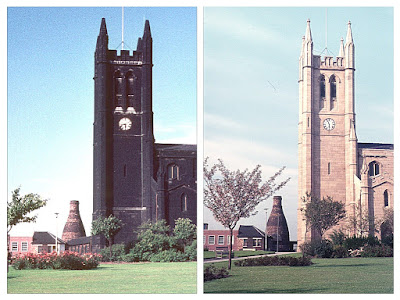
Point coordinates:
[[232, 195]]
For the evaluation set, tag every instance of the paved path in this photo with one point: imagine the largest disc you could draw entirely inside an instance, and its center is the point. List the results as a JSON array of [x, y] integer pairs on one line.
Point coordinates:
[[213, 260]]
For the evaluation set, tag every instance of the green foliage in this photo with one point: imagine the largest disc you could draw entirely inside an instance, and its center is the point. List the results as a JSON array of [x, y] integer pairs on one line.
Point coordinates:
[[155, 243], [184, 232], [19, 208], [274, 261], [339, 251], [355, 242], [337, 237], [118, 252], [168, 255], [322, 214], [108, 227], [211, 272], [318, 248], [377, 251]]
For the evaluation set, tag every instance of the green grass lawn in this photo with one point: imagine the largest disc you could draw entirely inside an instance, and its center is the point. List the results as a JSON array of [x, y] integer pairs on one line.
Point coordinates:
[[349, 275], [107, 279]]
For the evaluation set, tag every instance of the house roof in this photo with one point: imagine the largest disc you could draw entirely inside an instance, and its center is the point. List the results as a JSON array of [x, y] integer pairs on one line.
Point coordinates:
[[167, 150], [79, 241], [250, 231], [375, 146], [45, 238]]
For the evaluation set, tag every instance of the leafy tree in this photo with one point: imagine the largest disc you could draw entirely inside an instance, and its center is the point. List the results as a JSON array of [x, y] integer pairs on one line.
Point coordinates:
[[322, 214], [361, 222], [232, 195], [184, 233], [152, 238], [19, 208], [108, 227]]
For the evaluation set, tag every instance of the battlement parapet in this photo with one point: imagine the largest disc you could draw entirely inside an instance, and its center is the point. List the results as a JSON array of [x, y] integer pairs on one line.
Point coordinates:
[[125, 56], [328, 62]]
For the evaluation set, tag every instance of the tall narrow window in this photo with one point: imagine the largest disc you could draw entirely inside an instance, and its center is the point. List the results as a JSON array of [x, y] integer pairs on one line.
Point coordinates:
[[183, 202], [386, 198], [173, 172], [130, 87], [332, 82], [118, 88], [329, 168], [373, 168], [322, 86], [125, 171]]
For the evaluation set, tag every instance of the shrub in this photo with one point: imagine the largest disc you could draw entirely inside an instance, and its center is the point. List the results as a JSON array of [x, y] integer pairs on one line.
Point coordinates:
[[337, 237], [318, 248], [66, 260], [339, 252], [170, 255], [118, 252], [212, 272], [377, 251], [355, 242], [274, 261]]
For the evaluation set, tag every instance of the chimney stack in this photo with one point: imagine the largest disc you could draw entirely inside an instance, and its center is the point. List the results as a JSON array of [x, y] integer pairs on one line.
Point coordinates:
[[73, 227]]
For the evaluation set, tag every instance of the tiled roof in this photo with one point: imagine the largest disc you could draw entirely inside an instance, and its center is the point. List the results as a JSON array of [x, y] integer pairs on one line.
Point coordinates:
[[45, 238], [375, 146], [250, 231], [79, 241]]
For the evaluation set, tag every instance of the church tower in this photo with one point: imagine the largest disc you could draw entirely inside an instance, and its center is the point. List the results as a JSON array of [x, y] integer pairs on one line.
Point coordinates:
[[123, 149], [327, 142]]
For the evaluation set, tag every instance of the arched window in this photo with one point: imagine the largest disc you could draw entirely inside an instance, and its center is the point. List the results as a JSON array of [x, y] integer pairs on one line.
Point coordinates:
[[373, 168], [322, 86], [386, 198], [184, 202], [332, 82], [130, 87], [118, 88], [173, 172]]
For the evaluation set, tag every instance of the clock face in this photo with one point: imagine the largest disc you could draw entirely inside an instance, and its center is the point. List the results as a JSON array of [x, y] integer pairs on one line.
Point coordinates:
[[329, 124], [125, 124]]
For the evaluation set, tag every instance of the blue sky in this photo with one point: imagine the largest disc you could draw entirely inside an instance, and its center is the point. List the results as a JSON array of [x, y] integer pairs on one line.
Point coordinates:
[[50, 95], [251, 90]]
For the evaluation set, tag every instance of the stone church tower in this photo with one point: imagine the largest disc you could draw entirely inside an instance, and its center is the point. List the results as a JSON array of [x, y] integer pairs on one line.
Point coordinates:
[[330, 158], [134, 178]]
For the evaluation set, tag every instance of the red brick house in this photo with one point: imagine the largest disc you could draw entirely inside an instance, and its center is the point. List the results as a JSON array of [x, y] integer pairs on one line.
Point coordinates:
[[40, 242], [248, 237]]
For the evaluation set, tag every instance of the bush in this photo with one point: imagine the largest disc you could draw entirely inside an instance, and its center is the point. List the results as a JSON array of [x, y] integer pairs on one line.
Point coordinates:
[[212, 272], [118, 252], [66, 260], [339, 252], [319, 248], [155, 243], [377, 251], [337, 237], [274, 261], [170, 255], [358, 242]]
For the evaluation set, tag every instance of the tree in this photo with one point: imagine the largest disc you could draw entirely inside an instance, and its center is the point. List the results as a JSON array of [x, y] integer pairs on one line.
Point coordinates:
[[19, 208], [184, 233], [322, 214], [232, 195], [361, 223], [108, 227]]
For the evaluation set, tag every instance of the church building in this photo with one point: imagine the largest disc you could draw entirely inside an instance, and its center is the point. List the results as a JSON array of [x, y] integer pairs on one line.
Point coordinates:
[[134, 178], [331, 160]]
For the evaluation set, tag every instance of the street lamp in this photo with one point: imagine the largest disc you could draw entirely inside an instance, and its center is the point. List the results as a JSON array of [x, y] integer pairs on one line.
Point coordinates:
[[56, 232]]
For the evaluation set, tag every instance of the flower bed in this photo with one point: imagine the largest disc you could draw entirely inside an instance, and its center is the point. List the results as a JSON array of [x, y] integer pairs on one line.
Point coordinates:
[[65, 260]]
